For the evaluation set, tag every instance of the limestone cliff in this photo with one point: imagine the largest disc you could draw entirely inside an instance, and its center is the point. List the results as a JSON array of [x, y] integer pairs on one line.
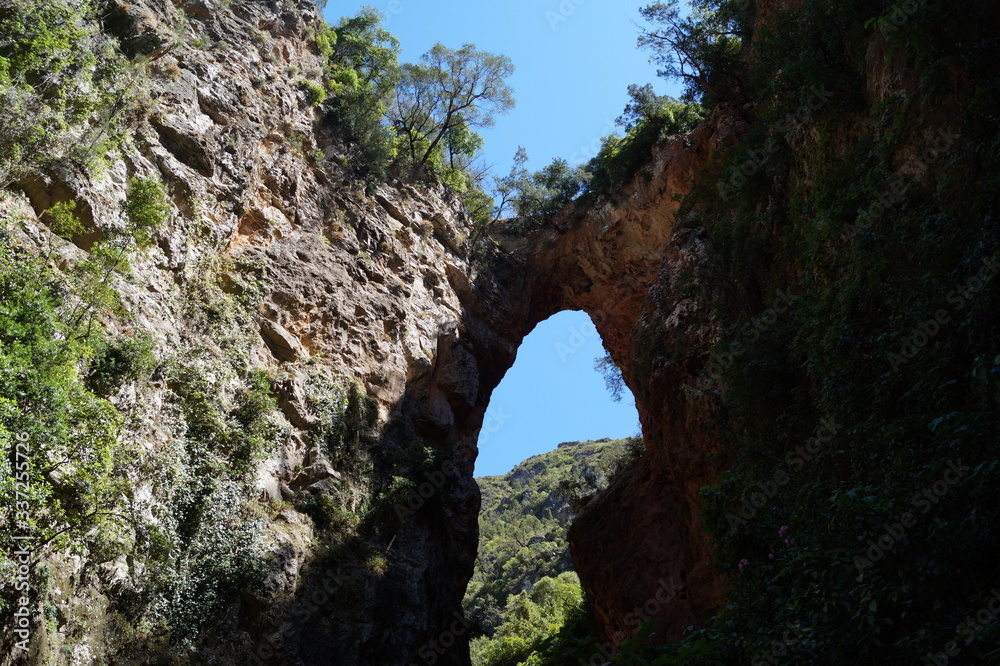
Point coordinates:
[[364, 301], [338, 282], [355, 284]]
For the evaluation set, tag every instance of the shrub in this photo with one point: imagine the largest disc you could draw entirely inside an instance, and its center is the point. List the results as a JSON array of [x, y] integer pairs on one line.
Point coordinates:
[[146, 209], [346, 416], [62, 221], [532, 618], [363, 71], [649, 121], [314, 92], [119, 361], [72, 433]]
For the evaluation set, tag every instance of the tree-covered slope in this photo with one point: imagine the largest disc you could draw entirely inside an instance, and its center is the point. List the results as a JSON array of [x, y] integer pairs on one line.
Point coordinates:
[[524, 518]]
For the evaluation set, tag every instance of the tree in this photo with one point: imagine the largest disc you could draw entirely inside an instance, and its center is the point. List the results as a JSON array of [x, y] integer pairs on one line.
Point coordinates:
[[530, 619], [701, 49], [364, 70], [648, 119], [462, 145], [646, 105], [541, 193], [612, 374], [441, 99], [65, 87]]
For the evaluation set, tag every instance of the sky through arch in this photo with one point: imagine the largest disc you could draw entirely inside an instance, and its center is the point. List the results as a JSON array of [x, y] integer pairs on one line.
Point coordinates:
[[552, 394]]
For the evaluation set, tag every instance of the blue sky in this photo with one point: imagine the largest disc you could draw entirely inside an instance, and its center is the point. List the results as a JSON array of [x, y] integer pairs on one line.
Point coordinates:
[[552, 395], [575, 60]]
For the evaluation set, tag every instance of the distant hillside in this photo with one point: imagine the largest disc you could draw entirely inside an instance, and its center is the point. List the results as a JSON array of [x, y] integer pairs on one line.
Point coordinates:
[[524, 519]]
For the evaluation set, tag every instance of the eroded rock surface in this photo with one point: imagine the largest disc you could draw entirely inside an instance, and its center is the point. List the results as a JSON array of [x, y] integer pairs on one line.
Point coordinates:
[[375, 286]]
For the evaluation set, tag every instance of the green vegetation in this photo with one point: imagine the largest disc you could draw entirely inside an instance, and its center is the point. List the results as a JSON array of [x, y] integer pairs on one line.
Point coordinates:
[[702, 47], [539, 195], [531, 620], [439, 101], [877, 541], [55, 374], [649, 119], [418, 121], [63, 222], [613, 380], [62, 85], [413, 121], [146, 209], [58, 370], [523, 591], [363, 72], [204, 543], [70, 432]]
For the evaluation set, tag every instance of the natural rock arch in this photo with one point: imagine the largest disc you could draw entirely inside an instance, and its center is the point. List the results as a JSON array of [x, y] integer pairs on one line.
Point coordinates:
[[618, 261]]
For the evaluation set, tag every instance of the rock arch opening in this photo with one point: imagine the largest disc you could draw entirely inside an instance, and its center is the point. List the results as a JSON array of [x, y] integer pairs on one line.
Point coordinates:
[[553, 393], [623, 262], [552, 439]]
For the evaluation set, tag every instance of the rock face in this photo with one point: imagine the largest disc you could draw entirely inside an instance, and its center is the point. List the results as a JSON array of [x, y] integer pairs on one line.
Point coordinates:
[[624, 262], [361, 286], [375, 286]]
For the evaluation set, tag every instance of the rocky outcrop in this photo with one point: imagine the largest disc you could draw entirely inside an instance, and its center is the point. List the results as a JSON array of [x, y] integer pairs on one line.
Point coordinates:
[[373, 286], [356, 285]]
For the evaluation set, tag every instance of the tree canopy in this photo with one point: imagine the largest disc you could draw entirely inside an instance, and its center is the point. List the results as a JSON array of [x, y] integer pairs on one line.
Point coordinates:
[[440, 99], [364, 70], [701, 48]]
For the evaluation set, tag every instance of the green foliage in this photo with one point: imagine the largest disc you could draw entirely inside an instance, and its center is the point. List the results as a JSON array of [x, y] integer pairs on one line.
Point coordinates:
[[530, 620], [119, 361], [414, 121], [869, 256], [238, 434], [146, 209], [649, 119], [315, 93], [613, 380], [363, 71], [62, 221], [450, 91], [815, 48], [63, 85], [701, 48], [539, 195], [328, 513], [523, 522], [91, 282], [200, 538], [205, 550], [346, 417], [71, 433]]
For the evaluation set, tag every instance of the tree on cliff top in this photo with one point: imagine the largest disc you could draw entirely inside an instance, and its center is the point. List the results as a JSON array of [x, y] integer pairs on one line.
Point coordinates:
[[364, 70], [701, 49], [446, 94]]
